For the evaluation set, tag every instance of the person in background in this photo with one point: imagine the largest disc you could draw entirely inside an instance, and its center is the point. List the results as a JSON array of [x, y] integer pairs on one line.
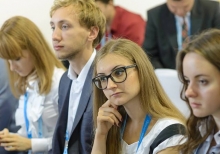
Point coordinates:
[[8, 104], [121, 23], [130, 107], [198, 67], [171, 23], [78, 27], [34, 78]]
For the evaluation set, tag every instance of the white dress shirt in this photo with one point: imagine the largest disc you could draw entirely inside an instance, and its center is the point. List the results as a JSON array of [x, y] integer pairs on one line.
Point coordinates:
[[151, 136], [76, 90], [40, 106]]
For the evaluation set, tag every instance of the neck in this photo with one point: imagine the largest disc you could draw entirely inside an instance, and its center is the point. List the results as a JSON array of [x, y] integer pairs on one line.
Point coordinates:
[[137, 115], [110, 19], [217, 122], [79, 60]]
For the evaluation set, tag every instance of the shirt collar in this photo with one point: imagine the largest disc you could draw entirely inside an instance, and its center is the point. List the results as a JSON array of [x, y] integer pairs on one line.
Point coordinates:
[[202, 129], [82, 75], [181, 18]]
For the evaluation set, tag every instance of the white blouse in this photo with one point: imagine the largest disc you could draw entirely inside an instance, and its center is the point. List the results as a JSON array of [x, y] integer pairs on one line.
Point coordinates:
[[151, 136], [40, 106]]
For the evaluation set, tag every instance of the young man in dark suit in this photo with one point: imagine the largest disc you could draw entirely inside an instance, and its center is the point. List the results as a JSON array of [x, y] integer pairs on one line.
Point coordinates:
[[163, 36], [78, 26]]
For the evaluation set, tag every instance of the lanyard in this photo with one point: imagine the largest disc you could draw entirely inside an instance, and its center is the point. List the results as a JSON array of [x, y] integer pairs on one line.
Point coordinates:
[[66, 143], [40, 122], [143, 131], [29, 135]]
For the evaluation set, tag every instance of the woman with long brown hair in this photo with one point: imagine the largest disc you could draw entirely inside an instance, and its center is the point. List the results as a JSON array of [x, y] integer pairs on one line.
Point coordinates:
[[130, 107], [199, 70]]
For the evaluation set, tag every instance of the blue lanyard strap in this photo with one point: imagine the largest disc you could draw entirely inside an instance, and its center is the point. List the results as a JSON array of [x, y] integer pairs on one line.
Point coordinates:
[[66, 143], [29, 135], [147, 121]]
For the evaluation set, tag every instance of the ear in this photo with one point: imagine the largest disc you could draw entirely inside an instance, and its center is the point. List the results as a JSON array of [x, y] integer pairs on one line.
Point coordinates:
[[94, 30]]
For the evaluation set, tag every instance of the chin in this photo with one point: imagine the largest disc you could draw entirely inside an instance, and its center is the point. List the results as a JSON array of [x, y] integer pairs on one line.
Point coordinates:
[[199, 114]]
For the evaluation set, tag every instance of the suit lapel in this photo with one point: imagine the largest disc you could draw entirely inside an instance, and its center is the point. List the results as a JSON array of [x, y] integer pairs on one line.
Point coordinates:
[[64, 93], [65, 105], [169, 27], [84, 99], [196, 20]]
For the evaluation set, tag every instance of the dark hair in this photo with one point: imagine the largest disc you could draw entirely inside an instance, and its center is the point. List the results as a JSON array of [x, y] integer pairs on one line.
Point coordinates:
[[207, 44], [104, 1]]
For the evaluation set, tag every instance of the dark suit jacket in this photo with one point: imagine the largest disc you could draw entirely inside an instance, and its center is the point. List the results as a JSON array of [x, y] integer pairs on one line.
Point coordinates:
[[82, 132], [8, 104], [161, 35]]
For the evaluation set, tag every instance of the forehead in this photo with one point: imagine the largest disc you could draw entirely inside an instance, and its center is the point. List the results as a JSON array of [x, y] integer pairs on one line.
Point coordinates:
[[110, 61], [194, 64], [181, 3], [64, 14]]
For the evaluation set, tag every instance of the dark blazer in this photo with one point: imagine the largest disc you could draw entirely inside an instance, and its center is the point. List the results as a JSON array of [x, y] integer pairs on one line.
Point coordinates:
[[160, 42], [82, 132], [8, 105]]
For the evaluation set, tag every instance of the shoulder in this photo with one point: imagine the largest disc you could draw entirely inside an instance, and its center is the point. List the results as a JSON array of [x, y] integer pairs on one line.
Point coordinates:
[[58, 73], [171, 141], [207, 6], [123, 14], [158, 9]]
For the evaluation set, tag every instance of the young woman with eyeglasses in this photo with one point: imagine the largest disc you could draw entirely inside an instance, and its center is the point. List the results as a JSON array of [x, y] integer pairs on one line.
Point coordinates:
[[130, 107]]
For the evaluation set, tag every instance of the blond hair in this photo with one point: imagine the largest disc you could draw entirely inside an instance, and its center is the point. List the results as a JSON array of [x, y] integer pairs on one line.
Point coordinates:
[[17, 34], [88, 13], [154, 100]]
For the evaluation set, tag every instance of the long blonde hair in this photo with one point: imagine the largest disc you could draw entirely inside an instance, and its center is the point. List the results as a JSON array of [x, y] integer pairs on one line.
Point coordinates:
[[154, 100], [19, 33]]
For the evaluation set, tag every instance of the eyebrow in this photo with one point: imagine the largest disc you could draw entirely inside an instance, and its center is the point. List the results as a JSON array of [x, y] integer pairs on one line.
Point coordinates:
[[61, 21], [197, 76], [117, 66]]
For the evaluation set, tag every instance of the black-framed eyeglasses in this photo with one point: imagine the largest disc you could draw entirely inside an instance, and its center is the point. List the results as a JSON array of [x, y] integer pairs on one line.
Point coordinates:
[[118, 75]]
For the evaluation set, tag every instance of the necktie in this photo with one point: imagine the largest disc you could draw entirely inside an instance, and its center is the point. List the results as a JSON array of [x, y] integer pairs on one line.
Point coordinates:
[[184, 30]]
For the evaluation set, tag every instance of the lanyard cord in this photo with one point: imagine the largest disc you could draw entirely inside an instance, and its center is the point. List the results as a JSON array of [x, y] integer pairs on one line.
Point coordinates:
[[143, 131]]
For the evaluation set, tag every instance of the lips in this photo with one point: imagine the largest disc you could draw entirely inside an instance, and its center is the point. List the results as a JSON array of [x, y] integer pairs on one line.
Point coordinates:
[[115, 94], [195, 105], [57, 47]]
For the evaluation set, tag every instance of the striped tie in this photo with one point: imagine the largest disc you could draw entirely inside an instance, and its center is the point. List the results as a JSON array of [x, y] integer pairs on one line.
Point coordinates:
[[184, 30]]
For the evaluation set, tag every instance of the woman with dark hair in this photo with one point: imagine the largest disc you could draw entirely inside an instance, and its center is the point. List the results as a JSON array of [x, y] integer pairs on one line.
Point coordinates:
[[198, 66]]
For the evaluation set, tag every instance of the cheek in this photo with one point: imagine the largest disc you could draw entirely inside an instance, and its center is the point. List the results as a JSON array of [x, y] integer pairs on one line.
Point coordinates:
[[211, 95], [106, 93]]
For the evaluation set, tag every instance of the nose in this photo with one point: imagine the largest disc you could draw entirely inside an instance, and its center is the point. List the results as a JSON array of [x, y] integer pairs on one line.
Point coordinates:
[[56, 36], [111, 84], [12, 65], [190, 92]]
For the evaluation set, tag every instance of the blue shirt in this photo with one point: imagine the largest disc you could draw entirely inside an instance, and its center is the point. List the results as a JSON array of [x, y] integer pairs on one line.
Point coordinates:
[[179, 23], [205, 146]]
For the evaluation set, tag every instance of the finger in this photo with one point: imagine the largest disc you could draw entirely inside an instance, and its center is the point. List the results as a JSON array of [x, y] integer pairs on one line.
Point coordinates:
[[109, 110], [10, 148], [101, 119], [106, 104], [5, 131]]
